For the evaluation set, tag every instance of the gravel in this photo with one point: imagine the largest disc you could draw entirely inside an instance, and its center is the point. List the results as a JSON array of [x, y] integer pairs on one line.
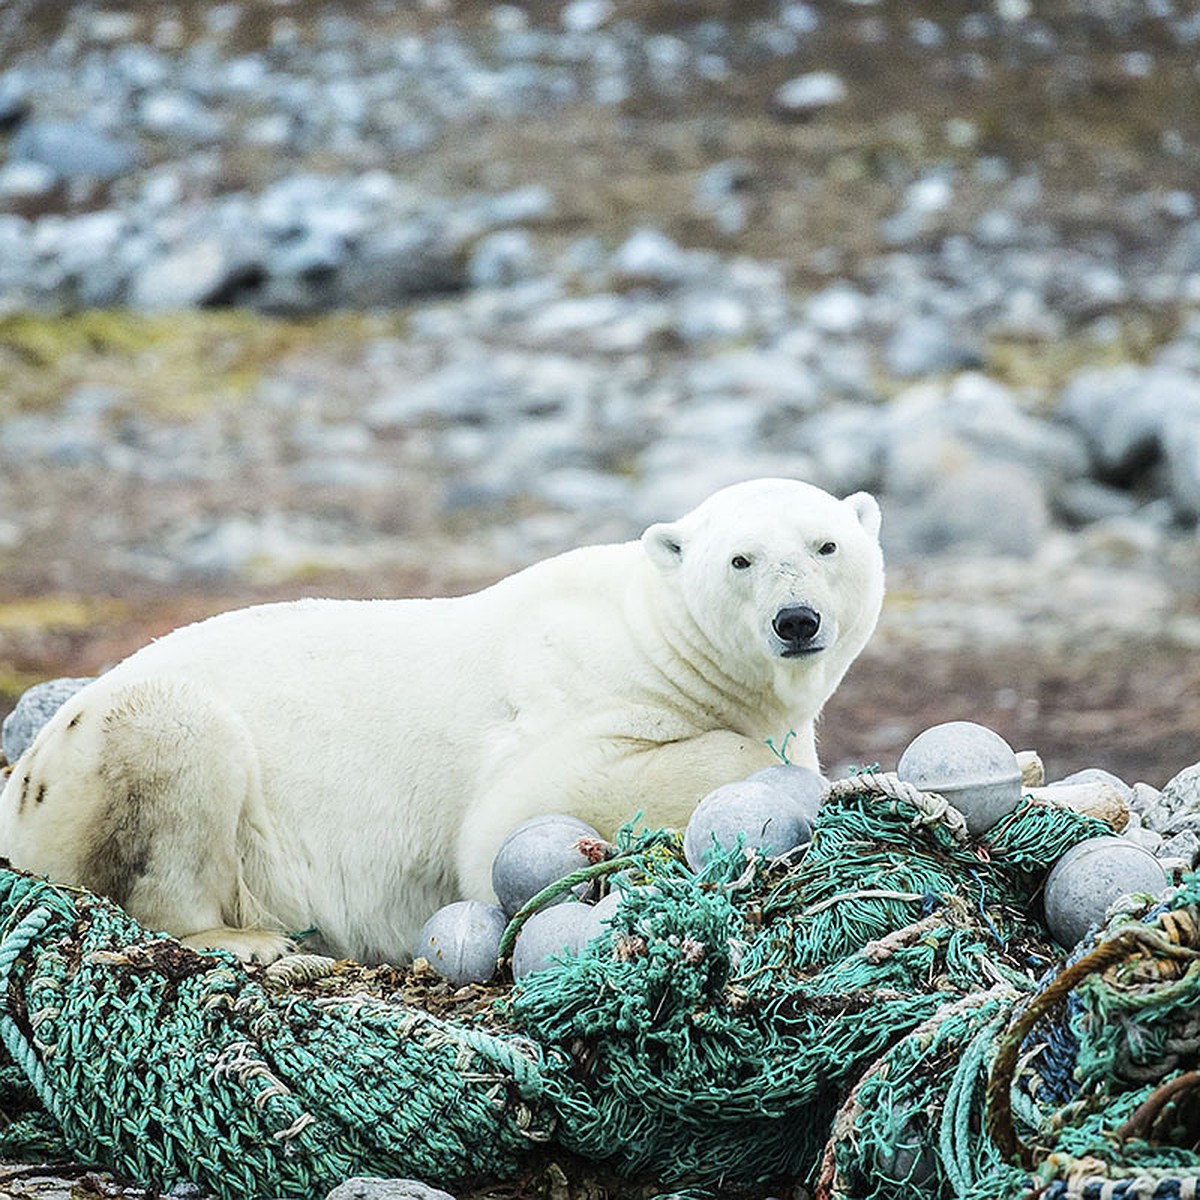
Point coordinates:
[[592, 372]]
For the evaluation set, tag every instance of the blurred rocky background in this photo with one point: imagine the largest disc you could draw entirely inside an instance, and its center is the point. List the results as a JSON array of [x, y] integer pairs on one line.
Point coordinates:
[[367, 298]]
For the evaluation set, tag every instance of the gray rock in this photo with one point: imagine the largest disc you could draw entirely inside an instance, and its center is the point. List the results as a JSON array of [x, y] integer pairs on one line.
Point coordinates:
[[986, 509], [14, 101], [1147, 808], [586, 16], [1185, 845], [807, 94], [1181, 448], [1096, 775], [705, 316], [845, 446], [1132, 417], [179, 116], [928, 345], [974, 420], [652, 259], [924, 200], [1180, 798], [501, 259], [1082, 501], [73, 149], [521, 206], [1148, 839], [720, 194], [186, 1190], [34, 708], [840, 309], [365, 1187], [583, 490], [25, 181], [770, 380], [398, 264], [998, 227], [191, 275]]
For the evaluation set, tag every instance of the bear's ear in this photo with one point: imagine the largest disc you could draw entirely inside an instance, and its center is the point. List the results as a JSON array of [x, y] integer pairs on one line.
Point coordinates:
[[866, 509], [663, 545]]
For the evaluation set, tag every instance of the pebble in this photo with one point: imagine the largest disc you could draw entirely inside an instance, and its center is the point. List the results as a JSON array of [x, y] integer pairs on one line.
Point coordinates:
[[22, 181], [363, 1187], [650, 258], [807, 94], [72, 149], [502, 259]]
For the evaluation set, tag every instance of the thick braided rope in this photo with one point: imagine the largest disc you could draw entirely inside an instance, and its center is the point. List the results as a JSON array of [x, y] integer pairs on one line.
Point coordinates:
[[931, 807]]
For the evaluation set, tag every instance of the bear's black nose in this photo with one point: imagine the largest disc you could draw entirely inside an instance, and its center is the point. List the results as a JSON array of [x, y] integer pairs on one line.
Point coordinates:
[[797, 624]]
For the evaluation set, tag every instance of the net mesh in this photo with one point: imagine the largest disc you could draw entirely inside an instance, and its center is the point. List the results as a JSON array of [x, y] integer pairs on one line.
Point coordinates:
[[884, 1013]]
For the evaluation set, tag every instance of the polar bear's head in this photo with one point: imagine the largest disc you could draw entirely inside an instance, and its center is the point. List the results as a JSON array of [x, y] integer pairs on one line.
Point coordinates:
[[778, 570]]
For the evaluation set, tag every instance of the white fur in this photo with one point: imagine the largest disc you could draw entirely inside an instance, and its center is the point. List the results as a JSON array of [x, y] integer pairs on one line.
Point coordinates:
[[353, 765]]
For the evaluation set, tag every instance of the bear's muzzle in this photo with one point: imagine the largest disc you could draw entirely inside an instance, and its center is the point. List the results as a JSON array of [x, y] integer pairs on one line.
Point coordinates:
[[797, 626]]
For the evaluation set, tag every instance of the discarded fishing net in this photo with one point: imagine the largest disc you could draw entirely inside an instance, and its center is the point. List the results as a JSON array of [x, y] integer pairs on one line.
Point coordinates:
[[834, 1020]]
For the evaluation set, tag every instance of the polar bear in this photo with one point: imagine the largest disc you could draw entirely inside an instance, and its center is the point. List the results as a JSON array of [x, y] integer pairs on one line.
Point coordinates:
[[349, 766]]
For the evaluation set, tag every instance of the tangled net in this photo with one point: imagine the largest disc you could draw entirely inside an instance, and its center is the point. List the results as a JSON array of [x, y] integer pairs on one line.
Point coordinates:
[[884, 1014]]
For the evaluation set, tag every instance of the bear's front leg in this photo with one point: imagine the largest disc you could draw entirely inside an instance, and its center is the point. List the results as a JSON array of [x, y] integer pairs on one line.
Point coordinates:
[[607, 784]]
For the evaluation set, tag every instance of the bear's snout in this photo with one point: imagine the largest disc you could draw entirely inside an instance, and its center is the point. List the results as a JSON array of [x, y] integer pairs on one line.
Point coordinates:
[[796, 626]]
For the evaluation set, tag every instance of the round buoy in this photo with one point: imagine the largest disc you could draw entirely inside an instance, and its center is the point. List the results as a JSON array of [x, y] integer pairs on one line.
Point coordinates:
[[1085, 882], [549, 933], [461, 941], [769, 818], [806, 786], [974, 768], [534, 855]]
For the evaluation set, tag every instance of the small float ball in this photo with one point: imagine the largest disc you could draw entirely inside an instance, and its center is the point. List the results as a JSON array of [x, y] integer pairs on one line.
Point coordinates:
[[770, 819], [1089, 877], [972, 767], [534, 855], [601, 913], [806, 786], [549, 933], [462, 941], [606, 908]]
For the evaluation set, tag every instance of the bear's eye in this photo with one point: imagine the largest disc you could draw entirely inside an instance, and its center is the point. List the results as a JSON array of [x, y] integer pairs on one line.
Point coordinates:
[[828, 548], [739, 562]]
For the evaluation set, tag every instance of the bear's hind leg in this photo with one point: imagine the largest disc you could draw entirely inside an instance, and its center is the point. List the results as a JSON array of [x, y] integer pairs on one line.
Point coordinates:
[[137, 791]]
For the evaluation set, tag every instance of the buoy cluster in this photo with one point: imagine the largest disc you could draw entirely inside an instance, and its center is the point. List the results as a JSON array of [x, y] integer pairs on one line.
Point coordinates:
[[772, 812]]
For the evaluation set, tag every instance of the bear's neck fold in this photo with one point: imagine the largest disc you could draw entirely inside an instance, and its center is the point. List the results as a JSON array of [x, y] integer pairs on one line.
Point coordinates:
[[692, 678]]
